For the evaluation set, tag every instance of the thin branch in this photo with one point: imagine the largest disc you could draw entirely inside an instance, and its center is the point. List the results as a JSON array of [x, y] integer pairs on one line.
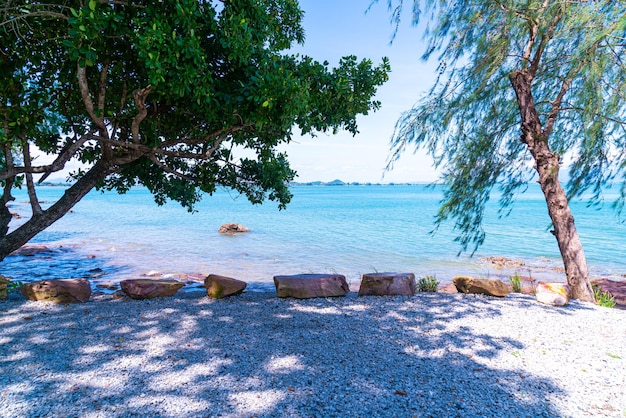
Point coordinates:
[[103, 87], [170, 170], [140, 101], [87, 101], [556, 103], [30, 184]]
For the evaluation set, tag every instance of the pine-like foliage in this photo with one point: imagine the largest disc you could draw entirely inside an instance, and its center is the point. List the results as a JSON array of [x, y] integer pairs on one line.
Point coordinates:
[[470, 120]]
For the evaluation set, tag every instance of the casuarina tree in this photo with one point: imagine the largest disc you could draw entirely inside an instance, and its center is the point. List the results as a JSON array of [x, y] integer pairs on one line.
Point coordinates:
[[179, 96], [523, 88]]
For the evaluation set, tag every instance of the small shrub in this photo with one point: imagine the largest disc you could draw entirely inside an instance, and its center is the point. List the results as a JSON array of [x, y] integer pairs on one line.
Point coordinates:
[[14, 286], [427, 284], [516, 283], [603, 298]]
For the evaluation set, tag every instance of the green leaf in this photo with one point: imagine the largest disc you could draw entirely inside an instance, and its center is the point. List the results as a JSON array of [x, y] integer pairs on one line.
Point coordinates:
[[92, 5]]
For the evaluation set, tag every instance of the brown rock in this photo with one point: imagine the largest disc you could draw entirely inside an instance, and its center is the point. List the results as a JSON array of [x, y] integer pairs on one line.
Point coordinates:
[[615, 288], [448, 288], [58, 291], [555, 294], [490, 287], [232, 229], [387, 284], [150, 288], [4, 284], [32, 250], [304, 286], [218, 287]]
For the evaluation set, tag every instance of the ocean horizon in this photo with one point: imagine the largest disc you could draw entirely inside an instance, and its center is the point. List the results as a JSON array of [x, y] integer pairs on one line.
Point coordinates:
[[346, 229]]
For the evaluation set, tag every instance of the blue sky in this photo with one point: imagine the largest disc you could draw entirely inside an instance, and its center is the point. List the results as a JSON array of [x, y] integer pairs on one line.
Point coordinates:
[[338, 28]]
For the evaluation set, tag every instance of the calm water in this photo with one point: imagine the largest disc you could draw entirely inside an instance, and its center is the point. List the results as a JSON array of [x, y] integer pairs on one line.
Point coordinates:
[[349, 230]]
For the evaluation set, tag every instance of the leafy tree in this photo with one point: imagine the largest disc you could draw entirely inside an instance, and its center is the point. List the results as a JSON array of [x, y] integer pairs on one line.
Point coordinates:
[[164, 94], [523, 87]]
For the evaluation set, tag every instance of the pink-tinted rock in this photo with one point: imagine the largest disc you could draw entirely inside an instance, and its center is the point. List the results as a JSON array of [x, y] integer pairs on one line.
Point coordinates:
[[490, 287], [232, 229], [615, 288], [555, 294], [304, 286], [58, 291], [387, 284], [31, 250], [218, 287], [150, 288]]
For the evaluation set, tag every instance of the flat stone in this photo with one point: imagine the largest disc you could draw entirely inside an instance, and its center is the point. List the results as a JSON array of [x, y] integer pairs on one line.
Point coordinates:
[[555, 294], [304, 286], [58, 291], [150, 288], [490, 287], [31, 250], [387, 284], [218, 287]]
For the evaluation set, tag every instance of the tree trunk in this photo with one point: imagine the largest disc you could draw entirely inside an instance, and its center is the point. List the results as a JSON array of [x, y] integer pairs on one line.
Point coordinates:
[[39, 222], [547, 165]]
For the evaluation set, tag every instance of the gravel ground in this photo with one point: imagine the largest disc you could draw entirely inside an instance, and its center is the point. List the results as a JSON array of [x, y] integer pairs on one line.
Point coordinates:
[[256, 355]]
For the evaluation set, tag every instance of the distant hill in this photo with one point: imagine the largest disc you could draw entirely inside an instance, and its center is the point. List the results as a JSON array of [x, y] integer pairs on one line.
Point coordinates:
[[338, 182]]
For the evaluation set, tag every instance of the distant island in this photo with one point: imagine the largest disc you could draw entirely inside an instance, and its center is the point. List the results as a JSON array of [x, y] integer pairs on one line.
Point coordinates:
[[338, 182]]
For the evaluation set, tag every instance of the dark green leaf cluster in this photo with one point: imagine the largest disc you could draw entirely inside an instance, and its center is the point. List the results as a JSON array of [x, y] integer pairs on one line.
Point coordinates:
[[470, 121], [180, 96]]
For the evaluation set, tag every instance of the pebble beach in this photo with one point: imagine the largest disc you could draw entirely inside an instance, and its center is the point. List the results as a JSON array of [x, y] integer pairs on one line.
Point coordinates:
[[255, 355]]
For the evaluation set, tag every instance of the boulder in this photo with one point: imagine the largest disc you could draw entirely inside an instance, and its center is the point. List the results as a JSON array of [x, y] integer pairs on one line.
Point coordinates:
[[555, 294], [387, 284], [218, 287], [150, 288], [490, 287], [58, 291], [304, 286], [4, 284], [232, 229], [615, 288], [32, 250]]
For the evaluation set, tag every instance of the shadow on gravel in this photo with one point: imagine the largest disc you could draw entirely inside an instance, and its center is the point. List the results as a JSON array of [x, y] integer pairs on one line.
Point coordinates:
[[256, 355]]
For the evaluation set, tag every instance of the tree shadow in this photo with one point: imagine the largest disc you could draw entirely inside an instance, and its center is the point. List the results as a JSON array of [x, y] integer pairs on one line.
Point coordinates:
[[257, 355]]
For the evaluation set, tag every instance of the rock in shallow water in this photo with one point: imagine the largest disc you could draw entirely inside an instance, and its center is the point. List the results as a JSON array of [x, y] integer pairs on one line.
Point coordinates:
[[490, 287], [232, 229], [58, 291], [218, 287], [150, 288], [305, 286], [387, 284]]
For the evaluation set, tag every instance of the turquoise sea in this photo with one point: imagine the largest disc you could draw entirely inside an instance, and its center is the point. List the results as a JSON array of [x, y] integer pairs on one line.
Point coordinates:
[[349, 230]]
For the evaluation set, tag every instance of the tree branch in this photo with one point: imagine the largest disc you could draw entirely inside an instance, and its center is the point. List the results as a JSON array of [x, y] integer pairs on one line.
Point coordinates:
[[170, 170], [140, 99], [83, 84], [30, 185]]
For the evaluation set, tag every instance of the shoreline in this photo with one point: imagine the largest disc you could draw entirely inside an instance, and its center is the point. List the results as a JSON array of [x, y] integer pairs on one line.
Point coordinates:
[[255, 354], [55, 260]]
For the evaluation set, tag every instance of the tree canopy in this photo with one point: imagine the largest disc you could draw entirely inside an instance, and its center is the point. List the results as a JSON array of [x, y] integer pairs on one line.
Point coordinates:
[[164, 94], [521, 85]]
